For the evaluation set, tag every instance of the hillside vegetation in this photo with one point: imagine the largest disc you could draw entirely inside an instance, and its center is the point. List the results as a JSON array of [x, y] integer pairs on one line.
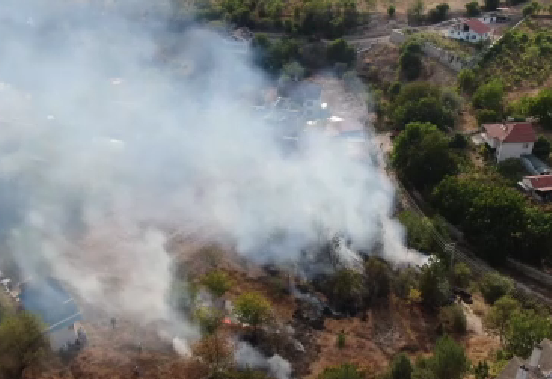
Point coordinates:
[[522, 58]]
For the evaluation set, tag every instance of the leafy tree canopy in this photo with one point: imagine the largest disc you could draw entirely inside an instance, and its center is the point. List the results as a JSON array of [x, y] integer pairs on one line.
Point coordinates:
[[252, 308], [421, 155]]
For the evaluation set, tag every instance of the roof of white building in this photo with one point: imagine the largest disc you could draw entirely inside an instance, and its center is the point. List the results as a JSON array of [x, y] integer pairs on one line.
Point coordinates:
[[511, 132], [477, 26]]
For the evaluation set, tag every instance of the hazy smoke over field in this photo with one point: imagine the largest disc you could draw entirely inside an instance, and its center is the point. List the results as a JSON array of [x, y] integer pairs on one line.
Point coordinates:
[[101, 136]]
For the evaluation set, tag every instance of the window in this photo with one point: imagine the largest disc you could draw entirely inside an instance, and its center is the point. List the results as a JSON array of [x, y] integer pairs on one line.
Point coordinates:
[[525, 145], [473, 36]]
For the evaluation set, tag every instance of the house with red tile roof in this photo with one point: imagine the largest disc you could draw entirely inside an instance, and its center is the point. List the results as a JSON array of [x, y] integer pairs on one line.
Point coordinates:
[[540, 186], [471, 30], [510, 140]]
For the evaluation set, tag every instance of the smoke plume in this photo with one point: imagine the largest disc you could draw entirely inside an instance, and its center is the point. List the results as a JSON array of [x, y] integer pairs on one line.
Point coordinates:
[[114, 124]]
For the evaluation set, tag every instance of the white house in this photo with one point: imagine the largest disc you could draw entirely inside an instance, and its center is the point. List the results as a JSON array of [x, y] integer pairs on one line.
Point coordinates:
[[56, 309], [510, 140], [471, 30]]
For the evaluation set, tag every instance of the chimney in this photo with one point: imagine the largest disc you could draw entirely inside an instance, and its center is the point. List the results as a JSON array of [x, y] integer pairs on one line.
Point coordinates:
[[522, 372], [535, 356]]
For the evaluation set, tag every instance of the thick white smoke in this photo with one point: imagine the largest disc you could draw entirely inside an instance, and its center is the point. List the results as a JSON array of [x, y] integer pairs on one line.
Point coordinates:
[[102, 133]]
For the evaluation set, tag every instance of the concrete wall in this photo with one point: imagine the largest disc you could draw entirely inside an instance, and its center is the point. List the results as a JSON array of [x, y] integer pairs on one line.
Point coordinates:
[[512, 150], [449, 59]]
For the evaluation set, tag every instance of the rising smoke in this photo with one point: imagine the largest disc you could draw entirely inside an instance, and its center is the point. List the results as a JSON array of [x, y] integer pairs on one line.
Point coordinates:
[[102, 134]]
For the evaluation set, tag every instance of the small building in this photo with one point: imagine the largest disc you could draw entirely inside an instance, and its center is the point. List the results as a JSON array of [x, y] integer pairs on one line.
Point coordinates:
[[540, 186], [510, 140], [471, 30], [56, 309], [538, 366]]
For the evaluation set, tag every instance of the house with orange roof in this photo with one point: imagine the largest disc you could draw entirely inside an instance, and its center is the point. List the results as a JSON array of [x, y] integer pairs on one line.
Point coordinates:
[[471, 30], [539, 186], [509, 140]]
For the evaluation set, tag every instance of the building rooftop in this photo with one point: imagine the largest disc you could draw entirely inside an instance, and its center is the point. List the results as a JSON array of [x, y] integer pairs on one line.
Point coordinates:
[[49, 300], [477, 26], [511, 132], [540, 182]]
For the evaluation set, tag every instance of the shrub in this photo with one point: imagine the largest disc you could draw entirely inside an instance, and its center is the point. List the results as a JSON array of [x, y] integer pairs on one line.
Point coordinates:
[[462, 274], [340, 340], [391, 11], [489, 96], [344, 371], [217, 282], [491, 5], [340, 51], [252, 308], [453, 319], [542, 148], [401, 368], [467, 80], [458, 141], [493, 286], [485, 116], [472, 9]]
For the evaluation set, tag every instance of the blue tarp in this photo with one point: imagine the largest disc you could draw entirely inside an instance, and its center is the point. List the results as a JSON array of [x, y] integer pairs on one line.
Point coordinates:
[[51, 302]]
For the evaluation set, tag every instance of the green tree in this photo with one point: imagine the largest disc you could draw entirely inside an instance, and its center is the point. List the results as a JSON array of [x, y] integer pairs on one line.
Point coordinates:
[[458, 141], [541, 148], [449, 359], [377, 279], [491, 5], [294, 70], [346, 289], [404, 282], [511, 169], [416, 12], [419, 231], [493, 286], [391, 11], [528, 10], [209, 319], [421, 154], [22, 344], [541, 107], [410, 61], [217, 282], [340, 51], [453, 319], [401, 368], [489, 96], [500, 313], [524, 330], [440, 13], [340, 340], [343, 371], [472, 9], [434, 284], [481, 371], [466, 79], [252, 308], [491, 215], [486, 116], [462, 274], [422, 102]]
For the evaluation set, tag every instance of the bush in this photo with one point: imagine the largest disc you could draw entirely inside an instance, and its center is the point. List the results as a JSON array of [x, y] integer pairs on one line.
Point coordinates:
[[340, 51], [467, 80], [391, 11], [410, 64], [440, 13], [340, 340], [453, 319], [491, 5], [462, 274], [434, 284], [489, 96], [458, 141], [401, 368], [528, 10], [511, 169], [486, 116], [252, 308], [542, 148], [472, 9], [493, 286], [449, 359], [344, 371], [217, 282]]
